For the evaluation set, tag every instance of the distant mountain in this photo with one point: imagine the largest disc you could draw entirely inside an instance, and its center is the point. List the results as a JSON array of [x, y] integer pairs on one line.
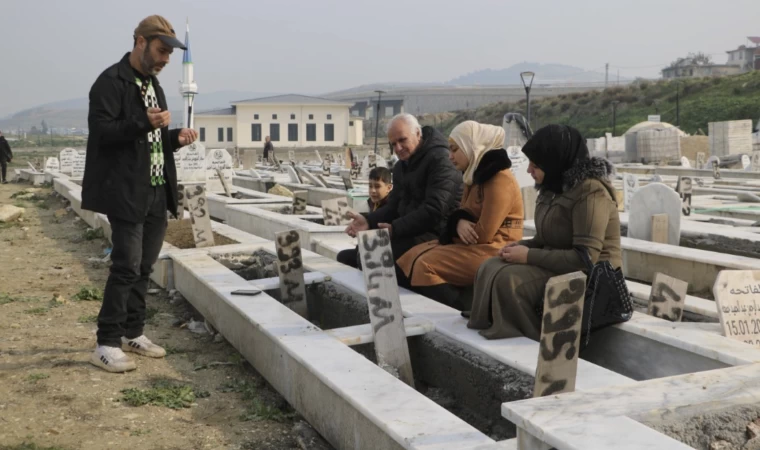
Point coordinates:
[[73, 113], [545, 73]]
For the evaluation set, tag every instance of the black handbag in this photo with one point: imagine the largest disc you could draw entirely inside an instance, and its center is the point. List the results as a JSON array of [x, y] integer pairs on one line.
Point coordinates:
[[607, 300]]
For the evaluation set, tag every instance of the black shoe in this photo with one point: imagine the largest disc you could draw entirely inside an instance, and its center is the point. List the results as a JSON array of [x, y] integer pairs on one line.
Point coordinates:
[[466, 314]]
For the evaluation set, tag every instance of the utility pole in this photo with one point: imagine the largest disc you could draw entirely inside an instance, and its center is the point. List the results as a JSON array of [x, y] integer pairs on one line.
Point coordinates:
[[614, 117], [377, 116], [606, 74]]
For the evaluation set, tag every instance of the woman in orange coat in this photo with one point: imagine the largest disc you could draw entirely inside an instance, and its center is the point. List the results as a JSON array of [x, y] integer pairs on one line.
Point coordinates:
[[490, 217]]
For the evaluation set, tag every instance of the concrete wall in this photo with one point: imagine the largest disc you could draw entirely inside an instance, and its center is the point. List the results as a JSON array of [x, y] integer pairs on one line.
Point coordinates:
[[653, 146], [356, 132], [211, 124], [730, 138], [691, 145]]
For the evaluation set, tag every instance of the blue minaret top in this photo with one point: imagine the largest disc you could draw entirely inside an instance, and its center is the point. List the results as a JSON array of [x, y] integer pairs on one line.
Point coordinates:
[[187, 58]]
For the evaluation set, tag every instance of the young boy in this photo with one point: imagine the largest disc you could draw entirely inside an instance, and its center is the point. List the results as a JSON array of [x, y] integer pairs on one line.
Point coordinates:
[[380, 185]]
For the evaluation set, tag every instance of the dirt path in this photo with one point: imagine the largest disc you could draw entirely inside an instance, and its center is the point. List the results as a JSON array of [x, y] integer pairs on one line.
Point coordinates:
[[51, 397]]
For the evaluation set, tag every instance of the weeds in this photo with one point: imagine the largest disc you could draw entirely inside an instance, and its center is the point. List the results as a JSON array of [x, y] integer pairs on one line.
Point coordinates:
[[88, 293], [35, 377], [163, 392], [92, 234], [29, 446], [88, 319], [150, 314], [172, 350], [7, 298], [259, 411], [41, 311]]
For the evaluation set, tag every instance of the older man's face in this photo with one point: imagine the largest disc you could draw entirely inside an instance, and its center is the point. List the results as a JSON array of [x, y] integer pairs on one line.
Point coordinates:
[[403, 140]]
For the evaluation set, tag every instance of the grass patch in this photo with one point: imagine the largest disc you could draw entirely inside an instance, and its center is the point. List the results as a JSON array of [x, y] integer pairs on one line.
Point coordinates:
[[150, 314], [29, 446], [248, 389], [7, 298], [92, 234], [139, 432], [19, 204], [35, 377], [259, 411], [19, 193], [88, 319], [6, 225], [163, 392], [41, 204], [172, 350], [88, 293], [41, 311]]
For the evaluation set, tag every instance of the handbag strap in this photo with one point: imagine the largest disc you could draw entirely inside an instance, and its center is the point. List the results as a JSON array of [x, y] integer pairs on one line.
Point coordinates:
[[583, 253]]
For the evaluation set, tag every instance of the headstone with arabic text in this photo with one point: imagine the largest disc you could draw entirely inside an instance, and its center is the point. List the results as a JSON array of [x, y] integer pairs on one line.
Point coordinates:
[[737, 295]]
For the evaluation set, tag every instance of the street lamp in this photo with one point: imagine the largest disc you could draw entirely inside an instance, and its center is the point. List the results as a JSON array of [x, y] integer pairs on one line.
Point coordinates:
[[377, 116], [527, 80], [614, 117]]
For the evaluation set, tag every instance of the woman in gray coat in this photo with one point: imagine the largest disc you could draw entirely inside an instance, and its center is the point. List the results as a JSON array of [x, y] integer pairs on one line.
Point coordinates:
[[576, 211]]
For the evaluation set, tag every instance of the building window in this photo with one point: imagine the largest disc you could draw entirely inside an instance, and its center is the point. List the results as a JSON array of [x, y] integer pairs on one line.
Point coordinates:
[[292, 117], [311, 116], [255, 117], [220, 134], [329, 117], [350, 123], [292, 132], [274, 116], [274, 131], [311, 132], [329, 132], [256, 132], [388, 111], [229, 134], [203, 134]]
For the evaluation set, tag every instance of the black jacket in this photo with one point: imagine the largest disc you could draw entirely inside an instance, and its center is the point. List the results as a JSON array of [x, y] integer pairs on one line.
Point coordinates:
[[426, 189], [5, 150], [117, 170]]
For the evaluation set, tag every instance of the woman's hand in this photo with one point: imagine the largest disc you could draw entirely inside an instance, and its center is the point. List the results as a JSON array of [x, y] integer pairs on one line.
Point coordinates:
[[515, 254], [466, 232]]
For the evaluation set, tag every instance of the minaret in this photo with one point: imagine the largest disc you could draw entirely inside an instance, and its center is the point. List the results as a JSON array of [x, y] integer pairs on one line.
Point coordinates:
[[188, 88]]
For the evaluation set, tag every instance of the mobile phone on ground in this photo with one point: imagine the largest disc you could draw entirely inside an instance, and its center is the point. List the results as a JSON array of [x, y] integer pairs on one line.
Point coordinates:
[[246, 292]]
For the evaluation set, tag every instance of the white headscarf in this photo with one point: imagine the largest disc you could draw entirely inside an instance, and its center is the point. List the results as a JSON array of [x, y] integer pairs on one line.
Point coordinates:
[[475, 139]]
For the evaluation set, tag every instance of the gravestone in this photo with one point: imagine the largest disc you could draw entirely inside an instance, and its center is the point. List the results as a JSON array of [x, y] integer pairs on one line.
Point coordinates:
[[77, 168], [66, 159], [716, 171], [385, 313], [346, 176], [195, 199], [31, 166], [529, 197], [700, 160], [660, 228], [367, 163], [737, 295], [319, 157], [255, 174], [290, 270], [668, 296], [292, 157], [181, 201], [178, 164], [560, 335], [294, 178], [685, 162], [218, 159], [249, 158], [193, 162], [52, 165], [755, 164], [304, 174], [520, 167], [684, 188], [347, 159], [654, 198], [335, 211], [630, 186], [326, 168], [299, 202], [225, 186], [712, 162], [746, 162]]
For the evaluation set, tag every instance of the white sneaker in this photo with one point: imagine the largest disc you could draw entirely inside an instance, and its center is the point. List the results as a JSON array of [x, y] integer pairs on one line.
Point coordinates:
[[143, 346], [112, 359]]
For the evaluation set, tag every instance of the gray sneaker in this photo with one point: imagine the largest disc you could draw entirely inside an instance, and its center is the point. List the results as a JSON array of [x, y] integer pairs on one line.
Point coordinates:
[[143, 346], [112, 359]]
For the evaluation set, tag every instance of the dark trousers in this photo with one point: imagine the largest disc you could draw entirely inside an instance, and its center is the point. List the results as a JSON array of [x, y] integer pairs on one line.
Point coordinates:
[[3, 170], [135, 248]]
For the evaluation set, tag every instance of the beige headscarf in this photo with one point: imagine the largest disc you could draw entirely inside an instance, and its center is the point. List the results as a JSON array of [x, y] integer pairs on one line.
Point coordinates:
[[475, 139]]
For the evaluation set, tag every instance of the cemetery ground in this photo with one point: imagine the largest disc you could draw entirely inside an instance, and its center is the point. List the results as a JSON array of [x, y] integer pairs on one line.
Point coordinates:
[[203, 395]]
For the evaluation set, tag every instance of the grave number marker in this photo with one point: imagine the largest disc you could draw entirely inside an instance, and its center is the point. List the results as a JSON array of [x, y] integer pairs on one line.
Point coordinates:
[[667, 298], [195, 196], [290, 270], [336, 211], [737, 295], [299, 202]]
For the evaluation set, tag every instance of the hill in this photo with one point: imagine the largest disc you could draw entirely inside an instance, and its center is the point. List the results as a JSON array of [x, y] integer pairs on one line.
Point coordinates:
[[702, 100], [544, 73]]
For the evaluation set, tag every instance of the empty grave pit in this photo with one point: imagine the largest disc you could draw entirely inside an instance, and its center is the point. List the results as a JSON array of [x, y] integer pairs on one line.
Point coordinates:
[[179, 233]]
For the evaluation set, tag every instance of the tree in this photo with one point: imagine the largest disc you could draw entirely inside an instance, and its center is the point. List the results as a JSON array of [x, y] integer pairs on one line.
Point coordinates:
[[693, 59], [44, 127]]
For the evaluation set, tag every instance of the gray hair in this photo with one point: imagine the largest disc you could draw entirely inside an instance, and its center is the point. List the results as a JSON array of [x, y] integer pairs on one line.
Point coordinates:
[[408, 119]]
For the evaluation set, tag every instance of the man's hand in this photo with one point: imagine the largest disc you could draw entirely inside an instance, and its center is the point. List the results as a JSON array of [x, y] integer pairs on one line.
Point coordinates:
[[158, 118], [515, 254], [358, 223], [386, 226], [466, 232], [187, 136]]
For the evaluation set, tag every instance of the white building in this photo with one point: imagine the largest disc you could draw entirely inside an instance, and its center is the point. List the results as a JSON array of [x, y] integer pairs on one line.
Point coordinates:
[[289, 120]]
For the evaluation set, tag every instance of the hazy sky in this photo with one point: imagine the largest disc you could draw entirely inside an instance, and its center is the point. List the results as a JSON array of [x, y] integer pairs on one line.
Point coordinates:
[[53, 50]]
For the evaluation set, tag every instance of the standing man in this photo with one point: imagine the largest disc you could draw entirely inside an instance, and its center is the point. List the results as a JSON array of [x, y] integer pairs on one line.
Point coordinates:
[[268, 147], [130, 177], [6, 156]]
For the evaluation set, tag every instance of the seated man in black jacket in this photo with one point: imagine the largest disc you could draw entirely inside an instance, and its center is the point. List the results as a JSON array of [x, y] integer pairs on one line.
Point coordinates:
[[426, 187]]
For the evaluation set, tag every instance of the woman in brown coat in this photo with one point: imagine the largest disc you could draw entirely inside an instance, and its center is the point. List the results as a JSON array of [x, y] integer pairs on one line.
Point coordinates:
[[489, 217], [575, 211]]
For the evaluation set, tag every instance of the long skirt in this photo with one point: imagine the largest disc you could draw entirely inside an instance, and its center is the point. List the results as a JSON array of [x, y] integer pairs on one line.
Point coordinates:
[[507, 298]]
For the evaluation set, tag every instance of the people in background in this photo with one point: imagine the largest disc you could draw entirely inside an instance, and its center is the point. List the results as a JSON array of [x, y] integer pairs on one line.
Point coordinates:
[[489, 217], [6, 156], [380, 185], [426, 187], [576, 211], [268, 147], [130, 176]]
